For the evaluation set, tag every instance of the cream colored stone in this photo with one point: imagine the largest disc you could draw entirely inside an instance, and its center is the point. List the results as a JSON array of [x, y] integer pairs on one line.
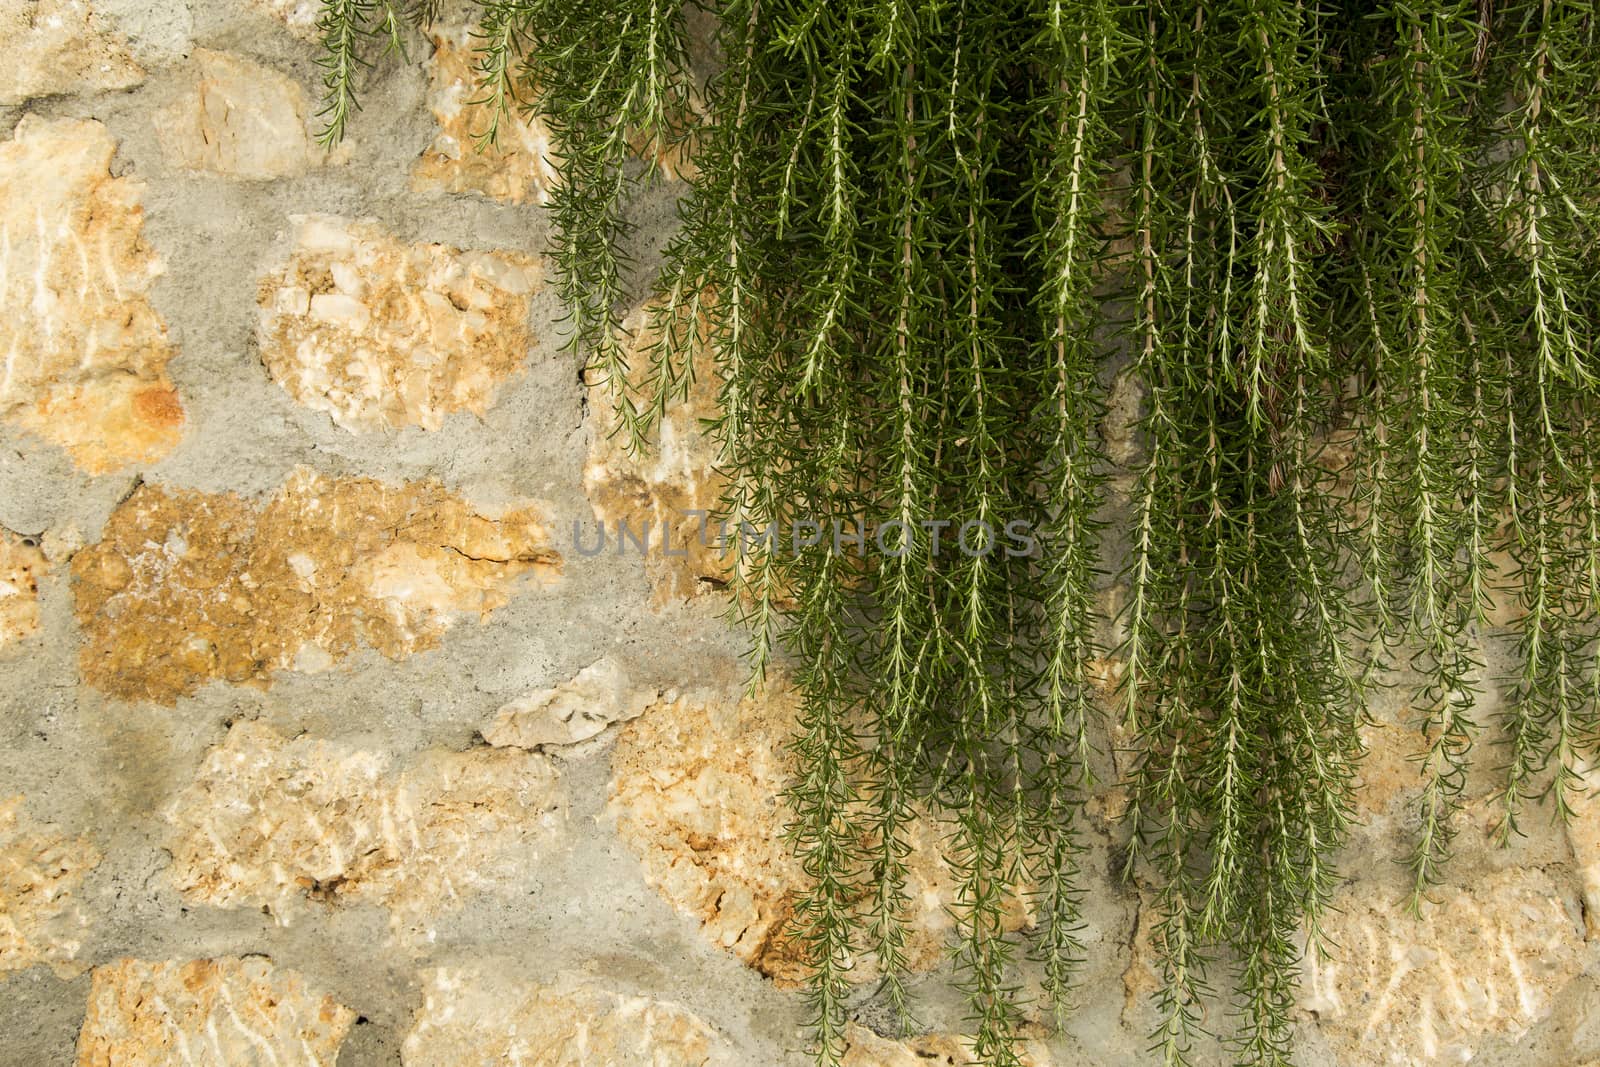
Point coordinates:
[[1481, 961], [520, 167], [226, 1012], [278, 823], [240, 119], [696, 790], [382, 334], [187, 586], [62, 543], [470, 1018], [83, 355], [60, 46], [596, 697], [42, 918], [21, 567], [863, 1048], [656, 492]]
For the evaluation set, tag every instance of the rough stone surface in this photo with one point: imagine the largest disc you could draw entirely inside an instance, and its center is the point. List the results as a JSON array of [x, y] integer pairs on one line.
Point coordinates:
[[863, 1048], [240, 119], [284, 824], [519, 167], [1481, 960], [1583, 833], [696, 790], [21, 566], [470, 1019], [596, 697], [382, 334], [188, 586], [60, 46], [653, 494], [225, 1012], [41, 882], [84, 354]]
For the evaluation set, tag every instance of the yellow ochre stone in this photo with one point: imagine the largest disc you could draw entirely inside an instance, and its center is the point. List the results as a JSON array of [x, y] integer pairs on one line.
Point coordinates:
[[21, 566], [474, 1018], [186, 586]]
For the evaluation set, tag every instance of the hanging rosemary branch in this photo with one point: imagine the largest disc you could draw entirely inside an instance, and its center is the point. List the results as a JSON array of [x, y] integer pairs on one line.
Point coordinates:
[[918, 238]]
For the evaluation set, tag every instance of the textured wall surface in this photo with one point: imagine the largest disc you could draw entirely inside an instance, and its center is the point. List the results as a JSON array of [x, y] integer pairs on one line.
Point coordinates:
[[320, 742]]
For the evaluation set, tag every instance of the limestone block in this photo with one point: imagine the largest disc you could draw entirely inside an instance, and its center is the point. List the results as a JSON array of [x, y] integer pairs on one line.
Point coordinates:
[[21, 566], [654, 492], [226, 1012], [41, 883], [84, 354], [863, 1048], [696, 789], [1482, 960], [278, 823], [576, 710], [470, 1019], [60, 46], [380, 334], [239, 119], [187, 586], [520, 167]]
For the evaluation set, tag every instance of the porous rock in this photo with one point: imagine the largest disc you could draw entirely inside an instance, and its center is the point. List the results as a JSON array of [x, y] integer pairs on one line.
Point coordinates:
[[21, 566], [380, 333], [298, 16], [186, 586], [697, 791], [520, 164], [226, 1012], [42, 918], [472, 1018], [84, 354], [663, 494], [291, 824], [60, 46], [582, 707], [518, 167], [1479, 961]]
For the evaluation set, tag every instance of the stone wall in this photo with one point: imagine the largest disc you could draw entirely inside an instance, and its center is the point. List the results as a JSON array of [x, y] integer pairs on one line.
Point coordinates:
[[323, 744]]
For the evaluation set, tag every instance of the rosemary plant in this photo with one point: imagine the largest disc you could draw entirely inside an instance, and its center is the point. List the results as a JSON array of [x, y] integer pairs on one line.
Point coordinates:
[[920, 239]]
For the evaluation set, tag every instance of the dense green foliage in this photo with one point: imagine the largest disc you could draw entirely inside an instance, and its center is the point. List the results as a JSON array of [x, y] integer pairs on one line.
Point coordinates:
[[923, 237]]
